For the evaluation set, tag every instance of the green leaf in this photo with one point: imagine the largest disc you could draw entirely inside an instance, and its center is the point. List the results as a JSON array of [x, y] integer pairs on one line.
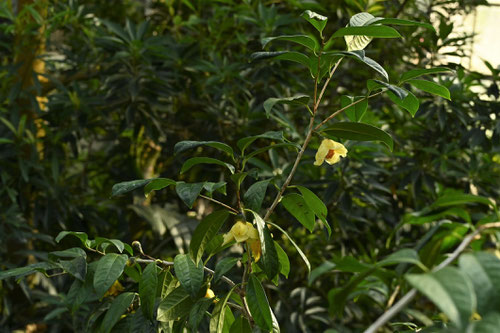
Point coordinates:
[[409, 103], [83, 237], [198, 311], [282, 55], [359, 55], [266, 148], [450, 290], [175, 305], [125, 187], [247, 141], [316, 205], [301, 253], [211, 187], [186, 145], [297, 206], [358, 42], [108, 270], [217, 322], [377, 31], [483, 269], [295, 100], [27, 270], [409, 256], [188, 192], [395, 21], [147, 290], [117, 309], [357, 111], [283, 260], [455, 199], [359, 132], [325, 267], [255, 195], [205, 232], [431, 88], [304, 40], [223, 267], [70, 253], [189, 274], [376, 84], [419, 72], [269, 256], [241, 325], [204, 160], [258, 304], [318, 21], [157, 184], [76, 267]]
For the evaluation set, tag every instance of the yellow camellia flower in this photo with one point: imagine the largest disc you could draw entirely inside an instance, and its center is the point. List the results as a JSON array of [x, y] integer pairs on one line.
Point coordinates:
[[114, 290], [245, 232], [330, 151], [210, 293]]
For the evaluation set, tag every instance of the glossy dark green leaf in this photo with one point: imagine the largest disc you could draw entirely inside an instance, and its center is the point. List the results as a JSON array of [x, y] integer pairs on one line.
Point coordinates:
[[175, 305], [76, 267], [125, 187], [296, 205], [147, 290], [218, 320], [301, 253], [304, 40], [27, 270], [83, 237], [109, 269], [282, 55], [316, 205], [317, 21], [283, 260], [157, 184], [431, 88], [258, 304], [357, 111], [269, 257], [396, 21], [295, 100], [376, 84], [241, 325], [189, 274], [118, 307], [198, 311], [245, 142], [359, 55], [186, 145], [69, 253], [376, 31], [483, 269], [204, 160], [455, 199], [419, 72], [359, 132], [205, 232], [255, 195], [409, 256], [188, 192], [224, 266], [211, 187], [450, 290], [410, 103]]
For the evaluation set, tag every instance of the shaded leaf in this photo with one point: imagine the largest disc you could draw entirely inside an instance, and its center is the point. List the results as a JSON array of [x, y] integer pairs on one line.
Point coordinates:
[[157, 184], [359, 132], [304, 40], [317, 21], [175, 305], [186, 145], [316, 205], [295, 100], [282, 55], [297, 206], [431, 88], [204, 160], [255, 195], [223, 267], [109, 269], [188, 192], [189, 274], [117, 309], [125, 187], [205, 232], [269, 256], [258, 304], [147, 290]]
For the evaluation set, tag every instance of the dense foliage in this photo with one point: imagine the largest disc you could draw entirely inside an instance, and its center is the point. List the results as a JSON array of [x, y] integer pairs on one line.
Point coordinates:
[[188, 99]]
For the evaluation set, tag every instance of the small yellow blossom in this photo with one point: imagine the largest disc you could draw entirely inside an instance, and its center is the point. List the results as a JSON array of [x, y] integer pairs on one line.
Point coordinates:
[[245, 232], [210, 293], [114, 290], [330, 151]]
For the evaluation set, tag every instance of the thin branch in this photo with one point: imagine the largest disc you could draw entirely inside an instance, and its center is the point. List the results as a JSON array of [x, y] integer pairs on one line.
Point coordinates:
[[396, 308], [333, 115], [306, 141], [220, 203]]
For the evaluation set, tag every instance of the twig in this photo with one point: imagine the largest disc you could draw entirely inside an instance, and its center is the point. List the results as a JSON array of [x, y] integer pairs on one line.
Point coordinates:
[[220, 203], [396, 308], [306, 141], [344, 108]]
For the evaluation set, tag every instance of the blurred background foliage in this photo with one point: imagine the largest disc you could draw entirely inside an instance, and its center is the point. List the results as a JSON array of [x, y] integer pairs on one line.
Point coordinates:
[[95, 92]]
